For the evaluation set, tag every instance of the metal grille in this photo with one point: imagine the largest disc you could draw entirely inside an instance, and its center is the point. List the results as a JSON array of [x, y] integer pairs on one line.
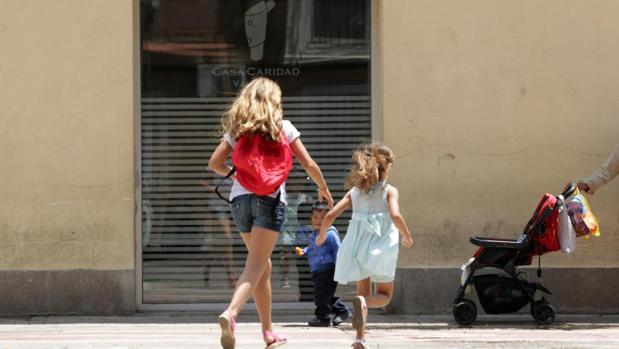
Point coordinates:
[[191, 249]]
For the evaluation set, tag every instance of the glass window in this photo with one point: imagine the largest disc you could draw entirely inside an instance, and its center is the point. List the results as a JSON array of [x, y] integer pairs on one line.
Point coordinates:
[[195, 56]]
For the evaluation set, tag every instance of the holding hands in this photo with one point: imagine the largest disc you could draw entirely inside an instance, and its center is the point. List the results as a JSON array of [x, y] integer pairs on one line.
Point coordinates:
[[325, 195]]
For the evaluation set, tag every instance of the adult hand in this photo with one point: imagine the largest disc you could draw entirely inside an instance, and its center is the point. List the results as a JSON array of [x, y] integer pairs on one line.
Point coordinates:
[[583, 186], [324, 194]]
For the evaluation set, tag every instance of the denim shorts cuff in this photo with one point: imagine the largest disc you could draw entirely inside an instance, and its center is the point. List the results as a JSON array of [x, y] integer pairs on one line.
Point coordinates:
[[275, 227]]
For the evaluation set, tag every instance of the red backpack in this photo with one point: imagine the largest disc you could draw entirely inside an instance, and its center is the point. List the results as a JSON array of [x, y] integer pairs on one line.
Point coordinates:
[[545, 222], [261, 165]]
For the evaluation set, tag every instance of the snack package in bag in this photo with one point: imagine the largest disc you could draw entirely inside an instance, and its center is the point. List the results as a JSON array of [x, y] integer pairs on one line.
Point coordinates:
[[567, 234], [581, 216]]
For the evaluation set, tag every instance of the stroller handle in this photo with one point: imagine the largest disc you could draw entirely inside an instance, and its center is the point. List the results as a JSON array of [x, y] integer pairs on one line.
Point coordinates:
[[569, 190]]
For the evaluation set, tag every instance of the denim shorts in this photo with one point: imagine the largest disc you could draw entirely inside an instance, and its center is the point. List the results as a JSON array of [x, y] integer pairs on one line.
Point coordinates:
[[251, 210]]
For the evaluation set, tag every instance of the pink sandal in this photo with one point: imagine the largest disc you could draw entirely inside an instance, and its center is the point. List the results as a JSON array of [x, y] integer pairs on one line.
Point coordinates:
[[277, 340], [227, 322]]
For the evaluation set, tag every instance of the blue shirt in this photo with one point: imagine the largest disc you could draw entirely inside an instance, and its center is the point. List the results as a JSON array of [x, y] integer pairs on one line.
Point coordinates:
[[303, 234], [323, 257]]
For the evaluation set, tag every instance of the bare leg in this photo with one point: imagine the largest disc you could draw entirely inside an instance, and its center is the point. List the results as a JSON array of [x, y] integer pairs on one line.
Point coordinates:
[[382, 297], [364, 290], [260, 249], [262, 292]]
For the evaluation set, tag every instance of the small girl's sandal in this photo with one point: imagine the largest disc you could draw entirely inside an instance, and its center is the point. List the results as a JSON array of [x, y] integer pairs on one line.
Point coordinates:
[[227, 322], [359, 344], [277, 341]]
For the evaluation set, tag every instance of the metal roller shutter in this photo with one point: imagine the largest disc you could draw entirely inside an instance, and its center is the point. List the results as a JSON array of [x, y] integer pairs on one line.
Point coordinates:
[[191, 249]]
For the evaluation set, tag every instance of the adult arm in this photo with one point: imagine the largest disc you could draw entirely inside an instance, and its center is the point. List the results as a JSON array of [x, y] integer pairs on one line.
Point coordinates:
[[606, 172]]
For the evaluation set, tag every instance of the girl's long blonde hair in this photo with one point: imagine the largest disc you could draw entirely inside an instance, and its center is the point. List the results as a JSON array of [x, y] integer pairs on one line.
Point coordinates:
[[371, 163], [257, 109]]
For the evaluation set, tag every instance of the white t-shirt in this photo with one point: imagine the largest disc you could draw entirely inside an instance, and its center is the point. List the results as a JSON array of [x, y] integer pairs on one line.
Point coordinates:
[[237, 189]]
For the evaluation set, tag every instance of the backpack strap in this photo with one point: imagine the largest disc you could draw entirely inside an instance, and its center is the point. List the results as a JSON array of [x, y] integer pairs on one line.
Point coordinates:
[[232, 171], [539, 266], [277, 200]]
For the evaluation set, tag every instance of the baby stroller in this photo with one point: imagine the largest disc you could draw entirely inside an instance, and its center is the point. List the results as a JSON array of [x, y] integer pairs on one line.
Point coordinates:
[[509, 291]]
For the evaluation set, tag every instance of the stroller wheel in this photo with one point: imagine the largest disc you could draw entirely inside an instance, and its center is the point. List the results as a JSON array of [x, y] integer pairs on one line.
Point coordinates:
[[542, 312], [465, 312]]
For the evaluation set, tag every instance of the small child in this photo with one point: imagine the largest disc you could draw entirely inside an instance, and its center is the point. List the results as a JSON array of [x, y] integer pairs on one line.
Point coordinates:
[[322, 265], [370, 250]]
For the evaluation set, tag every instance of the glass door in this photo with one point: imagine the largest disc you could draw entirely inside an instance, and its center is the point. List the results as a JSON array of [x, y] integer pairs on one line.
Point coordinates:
[[195, 55]]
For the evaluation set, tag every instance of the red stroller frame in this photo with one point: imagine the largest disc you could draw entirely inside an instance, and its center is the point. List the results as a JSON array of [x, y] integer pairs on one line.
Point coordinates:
[[510, 291]]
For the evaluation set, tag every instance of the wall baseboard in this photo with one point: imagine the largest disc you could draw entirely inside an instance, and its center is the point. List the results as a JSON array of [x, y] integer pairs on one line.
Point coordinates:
[[574, 290], [67, 292]]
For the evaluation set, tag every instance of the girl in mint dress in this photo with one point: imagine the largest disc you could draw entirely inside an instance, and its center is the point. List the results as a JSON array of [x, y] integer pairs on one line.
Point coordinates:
[[369, 252]]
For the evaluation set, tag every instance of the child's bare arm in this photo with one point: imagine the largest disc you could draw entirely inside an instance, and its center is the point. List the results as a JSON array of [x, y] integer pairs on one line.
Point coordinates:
[[333, 213], [312, 169], [396, 216], [217, 161]]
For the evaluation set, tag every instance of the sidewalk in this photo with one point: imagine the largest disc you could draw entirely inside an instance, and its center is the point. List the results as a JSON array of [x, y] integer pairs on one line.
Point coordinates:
[[182, 330]]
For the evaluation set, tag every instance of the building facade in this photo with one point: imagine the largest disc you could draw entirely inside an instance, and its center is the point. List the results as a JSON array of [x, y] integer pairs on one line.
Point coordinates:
[[110, 110]]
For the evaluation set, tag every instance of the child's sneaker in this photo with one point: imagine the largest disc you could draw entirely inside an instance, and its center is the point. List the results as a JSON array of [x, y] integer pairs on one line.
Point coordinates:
[[316, 322], [338, 319]]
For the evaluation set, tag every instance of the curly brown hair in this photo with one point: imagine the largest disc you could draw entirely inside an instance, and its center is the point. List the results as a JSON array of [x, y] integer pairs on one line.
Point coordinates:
[[371, 163]]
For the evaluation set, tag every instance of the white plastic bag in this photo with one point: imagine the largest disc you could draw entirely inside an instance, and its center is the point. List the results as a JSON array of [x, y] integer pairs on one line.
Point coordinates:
[[567, 234]]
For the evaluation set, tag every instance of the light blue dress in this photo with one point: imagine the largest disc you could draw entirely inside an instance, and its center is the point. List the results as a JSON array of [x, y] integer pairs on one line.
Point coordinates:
[[371, 245]]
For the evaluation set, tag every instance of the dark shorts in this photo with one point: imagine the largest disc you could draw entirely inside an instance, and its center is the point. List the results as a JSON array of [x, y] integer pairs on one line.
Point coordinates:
[[251, 210]]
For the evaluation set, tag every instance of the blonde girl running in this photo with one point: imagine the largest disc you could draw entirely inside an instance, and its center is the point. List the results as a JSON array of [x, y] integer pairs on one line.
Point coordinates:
[[259, 218]]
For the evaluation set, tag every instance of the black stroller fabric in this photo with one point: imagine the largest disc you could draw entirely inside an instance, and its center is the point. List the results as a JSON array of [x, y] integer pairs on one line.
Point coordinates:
[[500, 294]]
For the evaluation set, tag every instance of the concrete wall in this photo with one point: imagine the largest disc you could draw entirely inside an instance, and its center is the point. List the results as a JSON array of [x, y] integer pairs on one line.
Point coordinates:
[[66, 165], [488, 105]]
